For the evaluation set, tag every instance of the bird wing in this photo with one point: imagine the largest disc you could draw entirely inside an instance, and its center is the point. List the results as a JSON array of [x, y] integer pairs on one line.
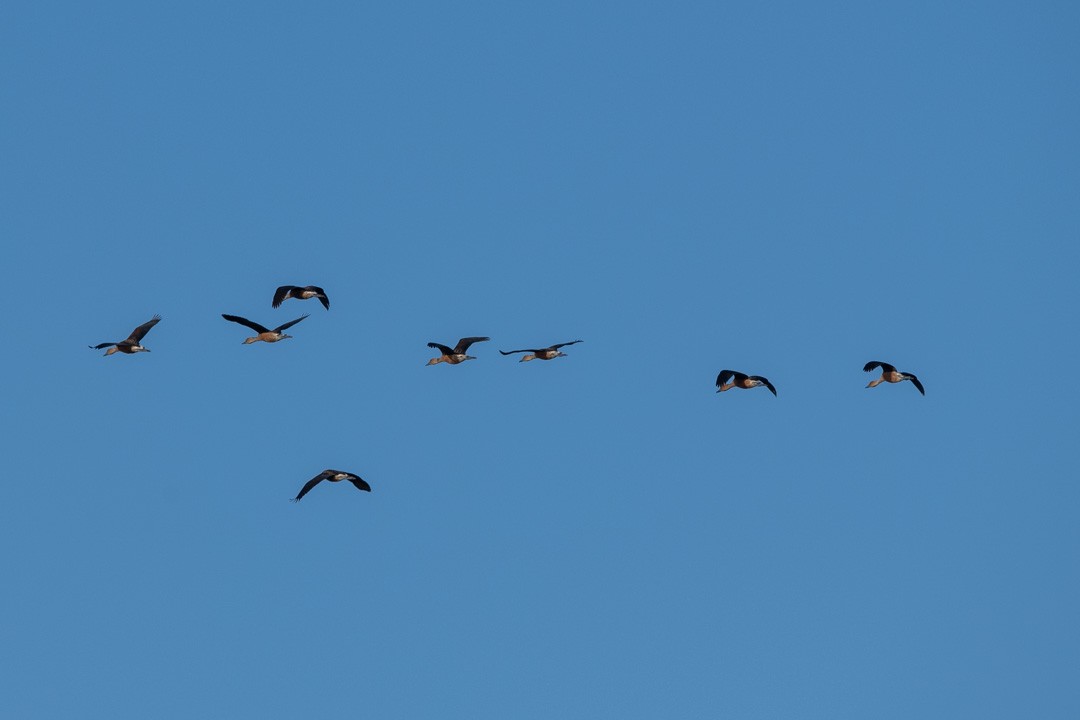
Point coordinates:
[[245, 322], [441, 348], [281, 294], [874, 364], [915, 381], [289, 324], [102, 345], [511, 352], [359, 482], [138, 333], [765, 382], [464, 343], [312, 483], [322, 296], [726, 375], [556, 347]]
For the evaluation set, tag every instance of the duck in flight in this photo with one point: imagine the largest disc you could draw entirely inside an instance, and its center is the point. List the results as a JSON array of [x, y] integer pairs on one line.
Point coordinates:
[[332, 476], [890, 374], [131, 345], [741, 381], [548, 353], [285, 292], [270, 336], [455, 354]]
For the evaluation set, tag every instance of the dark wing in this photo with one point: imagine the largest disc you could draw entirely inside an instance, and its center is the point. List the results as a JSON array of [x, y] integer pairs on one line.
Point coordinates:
[[441, 348], [359, 482], [765, 382], [289, 324], [102, 345], [726, 375], [464, 343], [511, 352], [874, 364], [281, 294], [138, 333], [312, 483], [556, 347], [245, 322], [322, 296], [915, 381]]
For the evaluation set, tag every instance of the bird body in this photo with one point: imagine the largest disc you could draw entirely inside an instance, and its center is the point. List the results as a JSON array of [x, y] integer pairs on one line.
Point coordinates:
[[456, 354], [740, 380], [333, 476], [891, 375], [548, 353], [265, 335], [285, 292], [132, 344]]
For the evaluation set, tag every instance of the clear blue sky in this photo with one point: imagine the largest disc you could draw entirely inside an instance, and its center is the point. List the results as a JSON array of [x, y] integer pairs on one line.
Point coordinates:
[[786, 189]]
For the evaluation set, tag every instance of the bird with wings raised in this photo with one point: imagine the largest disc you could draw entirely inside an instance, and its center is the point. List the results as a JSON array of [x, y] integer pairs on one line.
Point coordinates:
[[132, 344], [456, 354]]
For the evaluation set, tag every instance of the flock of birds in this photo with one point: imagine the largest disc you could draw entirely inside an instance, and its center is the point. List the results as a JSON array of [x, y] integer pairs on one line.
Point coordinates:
[[726, 380]]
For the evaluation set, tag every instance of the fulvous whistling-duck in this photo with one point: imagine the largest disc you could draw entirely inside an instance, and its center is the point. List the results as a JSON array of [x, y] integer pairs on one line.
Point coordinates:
[[741, 381], [548, 353], [890, 374], [131, 345], [332, 476], [265, 335], [456, 354], [285, 292]]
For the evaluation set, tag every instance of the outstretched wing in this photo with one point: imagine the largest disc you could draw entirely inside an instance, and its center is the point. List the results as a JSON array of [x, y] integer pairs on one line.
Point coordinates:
[[441, 348], [463, 344], [312, 483], [245, 322], [359, 482], [511, 352], [874, 364], [556, 347], [915, 381], [289, 324], [280, 294], [138, 333], [765, 382]]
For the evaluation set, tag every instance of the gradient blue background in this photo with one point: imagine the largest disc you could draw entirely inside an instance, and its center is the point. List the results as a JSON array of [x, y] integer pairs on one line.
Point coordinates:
[[782, 188]]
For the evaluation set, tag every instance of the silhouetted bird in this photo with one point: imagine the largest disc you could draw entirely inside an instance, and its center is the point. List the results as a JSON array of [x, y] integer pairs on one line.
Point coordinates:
[[332, 476]]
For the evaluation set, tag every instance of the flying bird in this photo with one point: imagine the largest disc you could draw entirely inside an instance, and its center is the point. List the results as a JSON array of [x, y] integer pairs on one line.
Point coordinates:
[[548, 353], [270, 336], [131, 345], [285, 292], [741, 381], [332, 476], [890, 374], [456, 354]]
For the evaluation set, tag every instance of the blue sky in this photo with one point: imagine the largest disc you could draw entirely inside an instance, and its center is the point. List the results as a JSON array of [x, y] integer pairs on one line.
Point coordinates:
[[777, 188]]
